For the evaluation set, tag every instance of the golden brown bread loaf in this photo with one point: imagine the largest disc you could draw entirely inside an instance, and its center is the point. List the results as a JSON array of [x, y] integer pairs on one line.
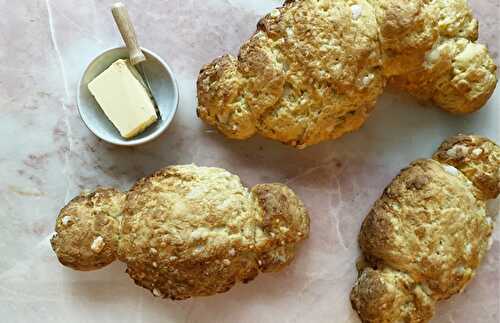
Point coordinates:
[[184, 231], [425, 237], [315, 68]]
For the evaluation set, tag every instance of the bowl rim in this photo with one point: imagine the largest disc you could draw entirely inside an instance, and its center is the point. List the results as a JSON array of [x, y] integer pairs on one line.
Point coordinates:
[[133, 142]]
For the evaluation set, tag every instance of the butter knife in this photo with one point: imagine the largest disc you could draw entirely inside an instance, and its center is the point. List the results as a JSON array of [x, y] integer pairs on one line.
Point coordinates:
[[136, 56]]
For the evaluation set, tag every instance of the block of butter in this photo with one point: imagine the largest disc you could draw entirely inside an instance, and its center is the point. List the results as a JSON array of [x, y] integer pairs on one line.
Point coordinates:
[[124, 98]]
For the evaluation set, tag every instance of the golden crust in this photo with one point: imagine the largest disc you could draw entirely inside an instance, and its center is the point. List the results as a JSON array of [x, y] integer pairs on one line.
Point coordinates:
[[220, 87], [87, 230], [458, 75], [191, 231], [423, 225], [437, 59], [380, 296], [427, 234], [285, 92], [281, 225], [478, 158], [407, 31], [194, 223], [314, 69]]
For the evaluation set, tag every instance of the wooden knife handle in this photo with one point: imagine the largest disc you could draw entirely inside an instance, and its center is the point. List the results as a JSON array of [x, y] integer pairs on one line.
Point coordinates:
[[122, 19]]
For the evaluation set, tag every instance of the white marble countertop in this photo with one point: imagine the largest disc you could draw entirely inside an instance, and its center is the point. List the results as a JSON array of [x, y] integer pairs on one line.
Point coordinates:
[[48, 156]]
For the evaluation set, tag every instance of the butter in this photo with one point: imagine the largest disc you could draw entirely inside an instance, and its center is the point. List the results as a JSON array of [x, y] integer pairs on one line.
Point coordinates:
[[124, 98]]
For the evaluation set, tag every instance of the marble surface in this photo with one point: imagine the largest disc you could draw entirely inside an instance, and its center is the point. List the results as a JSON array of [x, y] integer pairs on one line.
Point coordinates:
[[48, 156]]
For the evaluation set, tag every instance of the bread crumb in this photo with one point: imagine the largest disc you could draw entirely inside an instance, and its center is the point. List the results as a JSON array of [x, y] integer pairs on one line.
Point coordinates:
[[157, 293], [153, 251], [275, 13], [468, 249], [457, 151], [226, 262], [284, 229], [368, 79], [451, 170], [432, 56], [97, 244], [173, 258], [477, 152], [426, 289], [198, 250], [356, 11], [199, 233], [65, 220]]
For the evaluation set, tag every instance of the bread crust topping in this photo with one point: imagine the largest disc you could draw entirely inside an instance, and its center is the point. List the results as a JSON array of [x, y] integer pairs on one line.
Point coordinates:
[[184, 231], [313, 70], [425, 237]]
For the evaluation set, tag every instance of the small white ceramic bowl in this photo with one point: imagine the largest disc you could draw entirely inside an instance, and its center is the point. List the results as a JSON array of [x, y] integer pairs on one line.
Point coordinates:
[[163, 85]]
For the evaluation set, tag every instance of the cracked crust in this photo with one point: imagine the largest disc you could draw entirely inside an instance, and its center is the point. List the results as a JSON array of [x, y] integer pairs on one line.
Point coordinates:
[[284, 92], [478, 158], [87, 229], [458, 75], [199, 220], [380, 296], [427, 233], [314, 69], [281, 225], [191, 231], [423, 225]]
